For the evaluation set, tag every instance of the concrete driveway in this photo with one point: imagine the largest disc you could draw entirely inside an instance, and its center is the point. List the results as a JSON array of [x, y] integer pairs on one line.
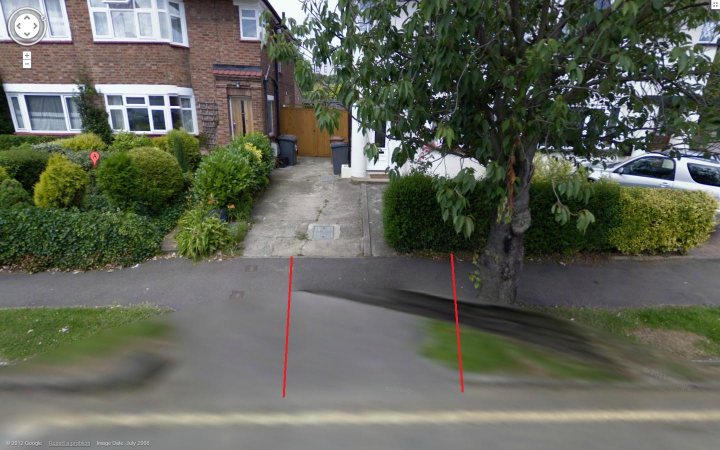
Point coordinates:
[[308, 211]]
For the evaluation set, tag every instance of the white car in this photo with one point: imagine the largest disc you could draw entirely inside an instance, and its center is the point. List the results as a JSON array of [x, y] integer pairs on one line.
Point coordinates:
[[662, 171]]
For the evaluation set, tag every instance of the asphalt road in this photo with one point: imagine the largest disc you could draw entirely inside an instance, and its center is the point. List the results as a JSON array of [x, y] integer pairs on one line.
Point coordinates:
[[356, 376], [180, 283]]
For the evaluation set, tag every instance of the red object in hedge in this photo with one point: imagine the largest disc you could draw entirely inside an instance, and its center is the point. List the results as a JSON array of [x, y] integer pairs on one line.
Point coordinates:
[[94, 157]]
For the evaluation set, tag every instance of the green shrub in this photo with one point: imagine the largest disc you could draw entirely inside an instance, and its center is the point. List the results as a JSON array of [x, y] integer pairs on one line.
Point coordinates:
[[160, 177], [126, 141], [119, 180], [91, 107], [8, 141], [86, 142], [187, 146], [260, 142], [413, 220], [61, 185], [547, 236], [223, 178], [81, 158], [39, 239], [24, 164], [657, 221], [3, 174], [200, 235], [629, 220], [12, 195]]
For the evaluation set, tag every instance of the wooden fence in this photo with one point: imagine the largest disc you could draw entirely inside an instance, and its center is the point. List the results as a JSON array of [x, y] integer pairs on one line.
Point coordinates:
[[301, 122]]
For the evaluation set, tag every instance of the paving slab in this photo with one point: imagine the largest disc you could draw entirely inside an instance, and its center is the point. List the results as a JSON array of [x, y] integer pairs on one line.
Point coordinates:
[[304, 202]]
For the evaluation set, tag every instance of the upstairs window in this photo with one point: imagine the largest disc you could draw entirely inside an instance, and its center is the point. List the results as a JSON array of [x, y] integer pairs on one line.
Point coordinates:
[[139, 20], [57, 20], [709, 33], [250, 27]]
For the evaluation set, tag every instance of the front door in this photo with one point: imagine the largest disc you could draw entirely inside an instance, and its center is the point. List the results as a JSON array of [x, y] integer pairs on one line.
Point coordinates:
[[380, 140], [241, 116]]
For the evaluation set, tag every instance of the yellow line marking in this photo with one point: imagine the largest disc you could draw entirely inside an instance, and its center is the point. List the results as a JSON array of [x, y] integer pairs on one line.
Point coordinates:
[[368, 418]]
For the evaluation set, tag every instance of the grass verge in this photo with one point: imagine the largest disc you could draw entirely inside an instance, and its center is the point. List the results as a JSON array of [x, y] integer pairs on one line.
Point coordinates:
[[491, 354], [703, 321], [55, 334], [689, 332]]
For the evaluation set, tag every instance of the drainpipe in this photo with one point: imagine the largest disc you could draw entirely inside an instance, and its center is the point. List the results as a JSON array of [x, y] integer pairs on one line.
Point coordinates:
[[277, 96]]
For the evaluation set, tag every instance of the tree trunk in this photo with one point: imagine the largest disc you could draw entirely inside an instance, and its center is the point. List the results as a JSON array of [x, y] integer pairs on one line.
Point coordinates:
[[501, 261]]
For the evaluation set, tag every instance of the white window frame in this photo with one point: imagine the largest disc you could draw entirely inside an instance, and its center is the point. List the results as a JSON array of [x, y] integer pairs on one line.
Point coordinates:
[[64, 94], [148, 91], [154, 12], [715, 36], [4, 36], [259, 29]]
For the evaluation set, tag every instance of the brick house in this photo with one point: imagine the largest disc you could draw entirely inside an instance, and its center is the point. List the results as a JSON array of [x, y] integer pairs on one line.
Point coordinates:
[[159, 65]]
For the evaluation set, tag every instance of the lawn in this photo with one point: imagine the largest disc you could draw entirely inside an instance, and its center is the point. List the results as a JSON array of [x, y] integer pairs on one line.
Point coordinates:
[[688, 332], [490, 354], [63, 333]]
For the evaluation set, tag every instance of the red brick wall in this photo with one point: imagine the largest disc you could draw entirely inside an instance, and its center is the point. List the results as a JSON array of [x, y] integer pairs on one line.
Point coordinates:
[[214, 37], [107, 63]]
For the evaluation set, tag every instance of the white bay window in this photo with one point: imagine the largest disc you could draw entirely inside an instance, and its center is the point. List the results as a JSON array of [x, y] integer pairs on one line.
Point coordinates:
[[139, 20], [58, 28], [140, 108], [153, 114]]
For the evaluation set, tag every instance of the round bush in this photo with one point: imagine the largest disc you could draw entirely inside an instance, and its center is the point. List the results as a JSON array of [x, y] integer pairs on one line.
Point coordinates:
[[86, 142], [25, 164], [61, 185], [223, 178], [3, 174], [160, 177], [12, 195], [118, 180]]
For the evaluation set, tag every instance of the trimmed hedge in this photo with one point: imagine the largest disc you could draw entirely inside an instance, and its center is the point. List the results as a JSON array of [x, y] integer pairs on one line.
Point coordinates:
[[8, 141], [628, 220], [38, 239], [25, 164], [413, 219], [547, 236], [118, 180], [657, 221]]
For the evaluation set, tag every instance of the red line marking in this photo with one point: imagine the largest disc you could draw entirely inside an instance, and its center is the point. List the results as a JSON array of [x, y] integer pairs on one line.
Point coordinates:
[[457, 323], [287, 330]]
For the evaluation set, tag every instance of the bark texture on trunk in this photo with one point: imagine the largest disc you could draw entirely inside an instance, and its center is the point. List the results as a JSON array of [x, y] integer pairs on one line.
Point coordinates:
[[501, 261]]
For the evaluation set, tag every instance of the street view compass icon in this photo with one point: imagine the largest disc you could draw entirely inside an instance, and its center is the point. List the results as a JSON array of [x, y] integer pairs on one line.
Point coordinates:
[[27, 26]]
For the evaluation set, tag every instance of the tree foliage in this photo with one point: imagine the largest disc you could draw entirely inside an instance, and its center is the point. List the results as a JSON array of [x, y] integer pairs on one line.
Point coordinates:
[[91, 108], [499, 81]]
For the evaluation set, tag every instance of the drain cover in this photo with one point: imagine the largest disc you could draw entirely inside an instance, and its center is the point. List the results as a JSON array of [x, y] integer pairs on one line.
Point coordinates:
[[323, 233]]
